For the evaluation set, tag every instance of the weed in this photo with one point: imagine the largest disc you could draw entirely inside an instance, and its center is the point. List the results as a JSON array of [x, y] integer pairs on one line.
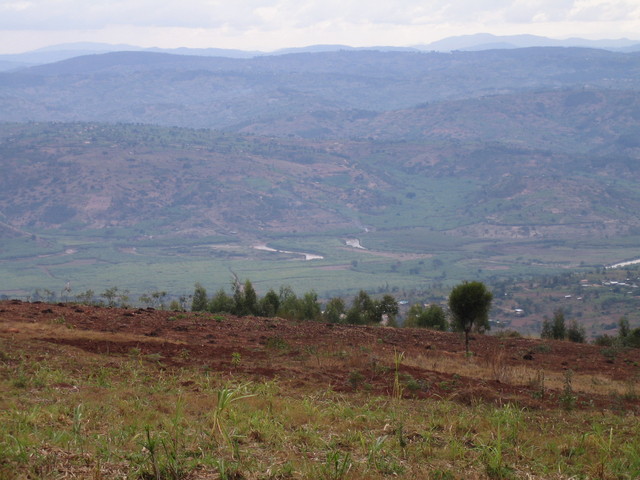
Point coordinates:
[[154, 357], [610, 353], [494, 459], [336, 465], [21, 379], [377, 367], [4, 357], [567, 398], [375, 452], [226, 397], [397, 386], [77, 423], [61, 321], [538, 385], [631, 393], [227, 470], [508, 333], [236, 359], [497, 362], [160, 459], [412, 384], [277, 343], [355, 379], [543, 348], [101, 377], [441, 475]]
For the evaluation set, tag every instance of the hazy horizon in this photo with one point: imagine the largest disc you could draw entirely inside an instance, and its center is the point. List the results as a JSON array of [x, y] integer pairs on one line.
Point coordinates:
[[268, 25]]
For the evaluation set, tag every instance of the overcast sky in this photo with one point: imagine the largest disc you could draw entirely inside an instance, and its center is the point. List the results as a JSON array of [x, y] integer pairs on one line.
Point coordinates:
[[271, 24]]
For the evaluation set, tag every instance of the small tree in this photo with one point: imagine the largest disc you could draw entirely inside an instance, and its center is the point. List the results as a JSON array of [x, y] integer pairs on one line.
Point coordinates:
[[250, 299], [470, 303], [158, 299], [289, 304], [432, 317], [575, 332], [547, 330], [334, 312], [387, 305], [623, 327], [221, 303], [558, 327], [309, 306], [199, 302], [110, 294], [363, 310], [87, 298], [269, 304]]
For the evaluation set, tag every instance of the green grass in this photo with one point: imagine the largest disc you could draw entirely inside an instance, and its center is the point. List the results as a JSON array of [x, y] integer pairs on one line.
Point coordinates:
[[410, 259], [132, 420]]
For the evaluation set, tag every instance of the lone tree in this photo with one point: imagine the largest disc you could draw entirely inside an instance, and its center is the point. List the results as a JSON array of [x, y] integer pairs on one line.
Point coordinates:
[[470, 303]]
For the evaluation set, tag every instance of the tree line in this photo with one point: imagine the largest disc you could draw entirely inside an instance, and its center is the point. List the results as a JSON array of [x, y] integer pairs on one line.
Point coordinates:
[[469, 305], [243, 300]]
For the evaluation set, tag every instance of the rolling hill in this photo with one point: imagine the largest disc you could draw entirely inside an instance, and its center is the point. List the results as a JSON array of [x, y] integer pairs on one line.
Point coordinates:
[[209, 92], [442, 166]]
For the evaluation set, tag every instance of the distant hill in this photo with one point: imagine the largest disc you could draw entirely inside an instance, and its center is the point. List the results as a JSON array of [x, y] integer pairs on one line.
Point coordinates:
[[215, 92], [475, 42], [486, 41], [510, 148]]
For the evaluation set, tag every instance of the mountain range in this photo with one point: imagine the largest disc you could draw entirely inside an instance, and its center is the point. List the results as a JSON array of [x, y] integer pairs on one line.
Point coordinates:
[[479, 41], [497, 162]]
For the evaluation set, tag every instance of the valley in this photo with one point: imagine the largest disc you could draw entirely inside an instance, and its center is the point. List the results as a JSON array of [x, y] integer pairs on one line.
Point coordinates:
[[399, 172]]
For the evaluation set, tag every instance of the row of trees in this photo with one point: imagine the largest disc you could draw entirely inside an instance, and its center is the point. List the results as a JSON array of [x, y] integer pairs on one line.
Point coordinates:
[[286, 304], [469, 304], [627, 336], [557, 329]]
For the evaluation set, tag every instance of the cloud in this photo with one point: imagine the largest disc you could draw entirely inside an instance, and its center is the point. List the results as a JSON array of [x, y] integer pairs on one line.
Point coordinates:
[[270, 24], [269, 14]]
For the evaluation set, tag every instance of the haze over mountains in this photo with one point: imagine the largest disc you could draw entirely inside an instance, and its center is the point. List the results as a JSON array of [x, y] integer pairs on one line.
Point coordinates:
[[479, 41], [214, 92], [477, 159]]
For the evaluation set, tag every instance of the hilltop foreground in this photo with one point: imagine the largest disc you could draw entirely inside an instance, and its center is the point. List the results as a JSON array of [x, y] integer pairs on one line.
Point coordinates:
[[89, 392]]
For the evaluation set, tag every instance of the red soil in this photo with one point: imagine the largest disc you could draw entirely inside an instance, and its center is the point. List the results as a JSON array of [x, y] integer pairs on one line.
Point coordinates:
[[345, 358]]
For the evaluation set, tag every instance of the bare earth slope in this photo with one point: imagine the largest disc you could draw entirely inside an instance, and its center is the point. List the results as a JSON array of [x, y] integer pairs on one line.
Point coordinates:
[[311, 355]]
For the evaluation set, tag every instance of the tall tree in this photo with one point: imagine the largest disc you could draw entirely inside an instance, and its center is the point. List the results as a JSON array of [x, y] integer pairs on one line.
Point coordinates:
[[470, 303]]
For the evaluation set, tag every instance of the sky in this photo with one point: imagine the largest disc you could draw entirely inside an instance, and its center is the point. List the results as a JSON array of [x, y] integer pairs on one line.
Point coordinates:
[[268, 25]]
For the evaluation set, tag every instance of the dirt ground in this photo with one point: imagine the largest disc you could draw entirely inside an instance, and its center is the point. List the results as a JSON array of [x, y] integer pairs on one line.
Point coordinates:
[[346, 358]]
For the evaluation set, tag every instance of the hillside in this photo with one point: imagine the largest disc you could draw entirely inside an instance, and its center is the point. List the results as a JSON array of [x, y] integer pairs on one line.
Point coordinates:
[[390, 171], [210, 92], [539, 193], [111, 375]]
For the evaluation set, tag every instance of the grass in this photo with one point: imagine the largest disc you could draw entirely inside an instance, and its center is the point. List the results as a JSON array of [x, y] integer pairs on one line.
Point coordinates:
[[495, 368], [120, 416]]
